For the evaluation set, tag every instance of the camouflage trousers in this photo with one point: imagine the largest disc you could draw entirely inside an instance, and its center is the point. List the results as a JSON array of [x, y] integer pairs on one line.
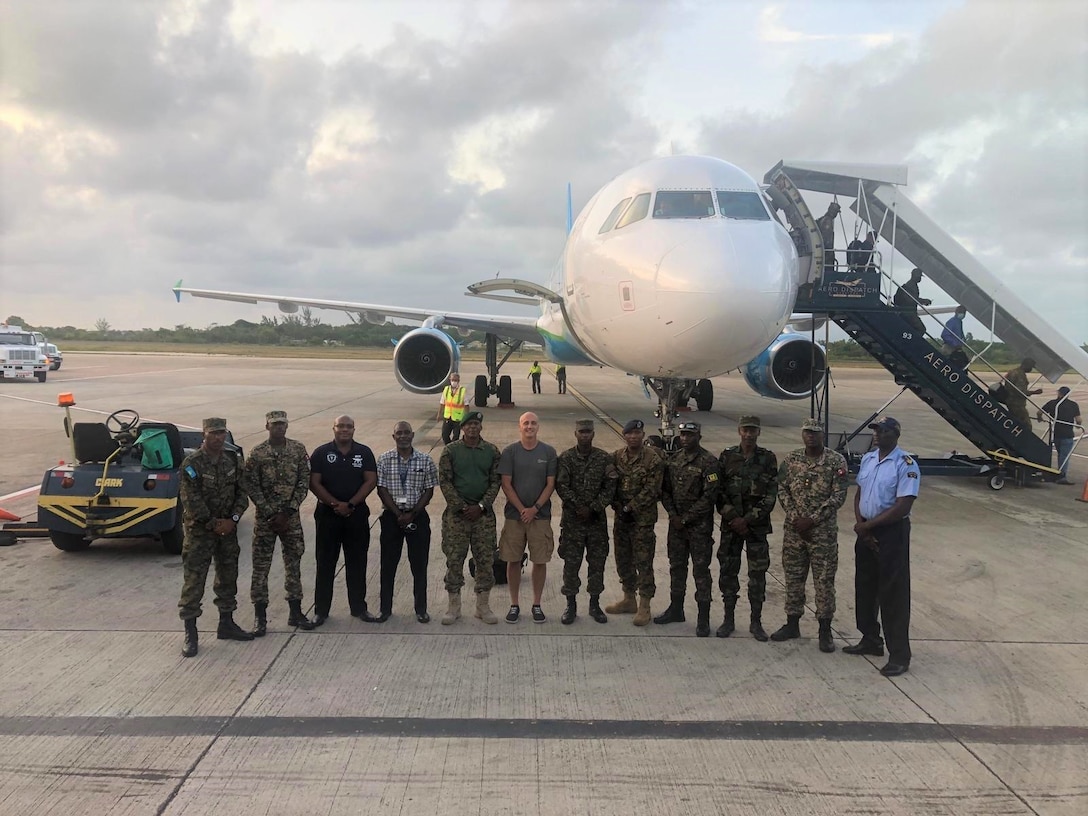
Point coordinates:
[[458, 538], [694, 543], [590, 540], [634, 546], [198, 552], [1019, 412], [822, 555], [759, 560], [293, 545]]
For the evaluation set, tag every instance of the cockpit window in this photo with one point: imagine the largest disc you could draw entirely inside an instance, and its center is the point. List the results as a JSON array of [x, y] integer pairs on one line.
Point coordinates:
[[742, 204], [613, 216], [636, 212], [683, 204]]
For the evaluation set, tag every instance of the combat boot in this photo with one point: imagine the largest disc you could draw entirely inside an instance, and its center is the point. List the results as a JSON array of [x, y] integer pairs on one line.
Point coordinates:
[[756, 626], [789, 629], [625, 607], [189, 647], [297, 617], [675, 612], [595, 610], [702, 625], [642, 617], [229, 630], [260, 620], [571, 611], [728, 622], [454, 610], [827, 642], [483, 607]]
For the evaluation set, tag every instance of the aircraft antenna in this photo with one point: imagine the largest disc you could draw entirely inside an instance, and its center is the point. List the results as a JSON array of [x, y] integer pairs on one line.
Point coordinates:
[[570, 211]]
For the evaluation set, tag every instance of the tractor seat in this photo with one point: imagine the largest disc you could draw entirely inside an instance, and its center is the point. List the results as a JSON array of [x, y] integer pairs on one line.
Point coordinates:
[[92, 441]]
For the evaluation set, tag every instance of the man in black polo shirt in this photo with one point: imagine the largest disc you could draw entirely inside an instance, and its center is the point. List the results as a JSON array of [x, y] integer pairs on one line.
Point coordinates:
[[342, 474]]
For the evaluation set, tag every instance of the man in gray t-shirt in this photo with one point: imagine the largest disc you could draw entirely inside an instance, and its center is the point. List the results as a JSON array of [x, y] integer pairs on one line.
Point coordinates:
[[527, 469]]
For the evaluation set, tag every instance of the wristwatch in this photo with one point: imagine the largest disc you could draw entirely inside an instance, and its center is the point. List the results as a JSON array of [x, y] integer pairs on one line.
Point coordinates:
[[235, 518], [481, 506]]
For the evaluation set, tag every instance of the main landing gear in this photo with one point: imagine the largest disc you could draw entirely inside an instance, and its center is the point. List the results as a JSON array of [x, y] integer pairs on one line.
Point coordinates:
[[673, 394], [491, 383]]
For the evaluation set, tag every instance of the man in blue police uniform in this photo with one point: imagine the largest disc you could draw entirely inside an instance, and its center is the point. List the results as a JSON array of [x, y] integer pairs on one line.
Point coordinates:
[[342, 474], [888, 484]]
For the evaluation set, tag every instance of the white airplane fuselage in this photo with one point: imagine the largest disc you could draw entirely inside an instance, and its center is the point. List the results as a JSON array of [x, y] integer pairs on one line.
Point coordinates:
[[685, 295]]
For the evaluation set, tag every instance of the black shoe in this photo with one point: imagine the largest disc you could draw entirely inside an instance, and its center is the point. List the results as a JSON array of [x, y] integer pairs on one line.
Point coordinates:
[[297, 618], [674, 613], [729, 624], [366, 617], [513, 615], [319, 620], [702, 625], [229, 630], [570, 613], [260, 621], [865, 647], [423, 617], [827, 641], [755, 628], [894, 669], [538, 614], [595, 610], [189, 647], [383, 617]]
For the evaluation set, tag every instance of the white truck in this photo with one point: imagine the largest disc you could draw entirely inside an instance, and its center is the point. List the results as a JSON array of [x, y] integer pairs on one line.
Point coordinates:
[[22, 357]]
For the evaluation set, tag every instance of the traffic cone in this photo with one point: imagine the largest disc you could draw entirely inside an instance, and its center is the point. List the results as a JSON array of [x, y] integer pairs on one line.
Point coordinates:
[[6, 516], [1084, 493]]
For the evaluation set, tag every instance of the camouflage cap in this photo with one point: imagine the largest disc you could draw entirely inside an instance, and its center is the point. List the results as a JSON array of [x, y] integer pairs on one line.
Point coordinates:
[[275, 416], [633, 425], [583, 425], [690, 427], [473, 416], [215, 424], [812, 424], [748, 421]]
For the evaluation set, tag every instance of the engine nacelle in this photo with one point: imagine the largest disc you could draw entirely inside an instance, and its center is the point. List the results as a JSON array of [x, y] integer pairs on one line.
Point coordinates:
[[785, 369], [424, 359]]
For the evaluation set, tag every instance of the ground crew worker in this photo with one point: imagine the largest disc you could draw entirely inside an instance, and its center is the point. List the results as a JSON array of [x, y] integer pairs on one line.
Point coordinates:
[[406, 482], [452, 409], [749, 489], [811, 489], [586, 483], [534, 375], [277, 479], [213, 499], [468, 476], [688, 494], [888, 482], [640, 470], [561, 377], [1017, 393]]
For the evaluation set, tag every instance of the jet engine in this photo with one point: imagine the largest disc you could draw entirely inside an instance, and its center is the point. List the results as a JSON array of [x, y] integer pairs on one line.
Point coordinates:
[[790, 368], [424, 359]]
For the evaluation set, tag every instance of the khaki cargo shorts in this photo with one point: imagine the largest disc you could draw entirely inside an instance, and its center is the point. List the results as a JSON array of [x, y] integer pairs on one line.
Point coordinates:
[[537, 534]]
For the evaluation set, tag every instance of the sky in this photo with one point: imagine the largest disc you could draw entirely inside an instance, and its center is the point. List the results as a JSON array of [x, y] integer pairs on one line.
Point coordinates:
[[394, 152]]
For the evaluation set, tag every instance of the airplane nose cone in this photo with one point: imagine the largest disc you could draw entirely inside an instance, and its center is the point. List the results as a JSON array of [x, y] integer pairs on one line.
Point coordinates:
[[727, 293]]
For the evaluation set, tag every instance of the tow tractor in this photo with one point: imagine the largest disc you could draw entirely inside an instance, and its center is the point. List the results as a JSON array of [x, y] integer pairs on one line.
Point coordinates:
[[123, 481]]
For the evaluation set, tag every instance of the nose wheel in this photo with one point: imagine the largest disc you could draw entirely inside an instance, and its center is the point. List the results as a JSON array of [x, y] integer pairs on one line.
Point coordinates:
[[671, 393]]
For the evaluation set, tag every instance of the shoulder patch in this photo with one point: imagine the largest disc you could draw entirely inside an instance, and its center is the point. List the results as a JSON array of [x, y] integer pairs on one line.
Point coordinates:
[[911, 474], [190, 471], [908, 460]]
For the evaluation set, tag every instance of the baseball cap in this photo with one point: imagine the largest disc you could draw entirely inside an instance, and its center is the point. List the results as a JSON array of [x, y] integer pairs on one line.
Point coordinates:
[[633, 425], [694, 427], [473, 416], [885, 423], [812, 424], [748, 421], [215, 424], [275, 416]]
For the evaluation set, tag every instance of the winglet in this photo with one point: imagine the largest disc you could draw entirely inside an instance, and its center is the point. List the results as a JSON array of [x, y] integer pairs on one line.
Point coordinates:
[[177, 290], [570, 213]]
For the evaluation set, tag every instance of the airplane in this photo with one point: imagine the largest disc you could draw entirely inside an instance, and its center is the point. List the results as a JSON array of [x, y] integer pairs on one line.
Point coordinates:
[[676, 271]]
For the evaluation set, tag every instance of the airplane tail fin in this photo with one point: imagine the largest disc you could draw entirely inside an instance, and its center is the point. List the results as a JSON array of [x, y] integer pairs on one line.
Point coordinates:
[[570, 214], [177, 290]]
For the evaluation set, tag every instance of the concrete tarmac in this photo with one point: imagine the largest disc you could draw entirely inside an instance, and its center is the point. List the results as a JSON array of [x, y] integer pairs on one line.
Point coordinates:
[[101, 714]]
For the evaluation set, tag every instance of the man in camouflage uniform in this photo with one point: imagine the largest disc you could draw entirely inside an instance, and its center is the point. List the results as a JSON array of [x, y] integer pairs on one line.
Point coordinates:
[[213, 499], [277, 479], [640, 470], [1017, 391], [688, 495], [811, 488], [749, 489], [586, 483], [468, 476]]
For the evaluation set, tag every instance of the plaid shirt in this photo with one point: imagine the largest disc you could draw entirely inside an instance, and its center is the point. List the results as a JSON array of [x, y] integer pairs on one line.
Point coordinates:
[[406, 479]]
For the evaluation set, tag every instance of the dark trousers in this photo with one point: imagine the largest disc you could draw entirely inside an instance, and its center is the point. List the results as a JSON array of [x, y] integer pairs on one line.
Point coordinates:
[[561, 379], [451, 430], [882, 585], [352, 534], [392, 539], [536, 383]]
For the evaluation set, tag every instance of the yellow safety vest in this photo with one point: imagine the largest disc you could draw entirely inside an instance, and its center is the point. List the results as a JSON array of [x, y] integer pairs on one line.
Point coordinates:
[[454, 403]]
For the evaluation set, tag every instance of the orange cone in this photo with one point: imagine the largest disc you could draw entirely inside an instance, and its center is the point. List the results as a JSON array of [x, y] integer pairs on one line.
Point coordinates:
[[1083, 494], [6, 516]]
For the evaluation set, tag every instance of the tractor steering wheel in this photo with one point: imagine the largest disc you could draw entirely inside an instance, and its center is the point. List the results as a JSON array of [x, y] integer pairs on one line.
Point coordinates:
[[123, 421]]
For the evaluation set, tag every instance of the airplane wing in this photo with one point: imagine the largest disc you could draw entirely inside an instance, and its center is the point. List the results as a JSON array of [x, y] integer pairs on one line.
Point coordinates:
[[508, 326]]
